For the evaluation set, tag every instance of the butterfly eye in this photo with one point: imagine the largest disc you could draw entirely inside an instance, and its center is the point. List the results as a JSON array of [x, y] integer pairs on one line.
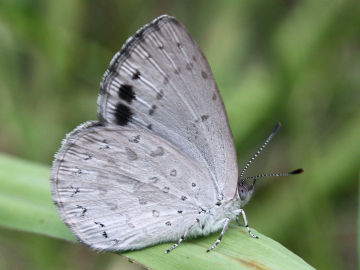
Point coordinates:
[[242, 192]]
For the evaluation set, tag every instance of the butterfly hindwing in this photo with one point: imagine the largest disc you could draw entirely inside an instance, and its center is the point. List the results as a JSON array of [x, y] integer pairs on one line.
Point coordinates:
[[121, 188], [161, 81]]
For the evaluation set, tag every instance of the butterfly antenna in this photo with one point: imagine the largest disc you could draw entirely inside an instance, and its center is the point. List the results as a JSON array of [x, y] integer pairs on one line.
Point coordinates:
[[297, 171], [259, 151]]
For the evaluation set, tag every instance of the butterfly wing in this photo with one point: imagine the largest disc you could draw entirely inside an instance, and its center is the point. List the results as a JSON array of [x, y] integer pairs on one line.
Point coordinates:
[[118, 188], [161, 81]]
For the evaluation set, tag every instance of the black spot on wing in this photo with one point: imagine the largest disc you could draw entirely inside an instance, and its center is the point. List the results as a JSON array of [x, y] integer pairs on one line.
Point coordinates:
[[204, 117], [100, 224], [140, 35], [173, 172], [152, 110], [136, 75], [77, 190], [83, 210], [204, 74], [126, 93], [160, 94], [122, 114], [154, 179]]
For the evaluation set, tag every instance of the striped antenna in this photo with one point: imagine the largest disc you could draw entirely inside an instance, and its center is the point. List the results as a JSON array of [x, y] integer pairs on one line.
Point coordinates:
[[297, 171], [259, 151]]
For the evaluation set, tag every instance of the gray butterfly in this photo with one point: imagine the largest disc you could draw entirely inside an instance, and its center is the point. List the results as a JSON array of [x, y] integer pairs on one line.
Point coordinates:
[[160, 164]]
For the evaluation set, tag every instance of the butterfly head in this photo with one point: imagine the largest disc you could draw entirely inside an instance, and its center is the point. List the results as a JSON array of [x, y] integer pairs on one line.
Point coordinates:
[[245, 191]]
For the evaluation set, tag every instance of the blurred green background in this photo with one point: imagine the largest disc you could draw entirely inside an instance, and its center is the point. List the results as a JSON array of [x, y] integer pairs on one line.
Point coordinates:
[[292, 61]]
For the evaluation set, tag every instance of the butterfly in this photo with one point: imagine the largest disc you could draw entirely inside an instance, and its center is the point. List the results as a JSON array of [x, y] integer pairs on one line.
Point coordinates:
[[160, 164]]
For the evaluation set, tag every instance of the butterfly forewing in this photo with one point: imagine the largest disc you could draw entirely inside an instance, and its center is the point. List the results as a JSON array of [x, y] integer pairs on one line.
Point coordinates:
[[121, 188], [160, 81]]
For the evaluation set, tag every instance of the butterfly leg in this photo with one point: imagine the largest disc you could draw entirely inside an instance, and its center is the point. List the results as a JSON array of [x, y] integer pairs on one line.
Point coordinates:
[[242, 212], [180, 240], [227, 221], [176, 244]]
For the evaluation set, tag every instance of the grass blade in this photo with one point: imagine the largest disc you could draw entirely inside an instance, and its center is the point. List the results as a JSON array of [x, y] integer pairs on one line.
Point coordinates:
[[26, 205]]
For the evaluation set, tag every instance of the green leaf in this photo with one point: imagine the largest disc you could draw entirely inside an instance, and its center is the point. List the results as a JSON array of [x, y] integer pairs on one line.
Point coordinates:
[[25, 199], [26, 205]]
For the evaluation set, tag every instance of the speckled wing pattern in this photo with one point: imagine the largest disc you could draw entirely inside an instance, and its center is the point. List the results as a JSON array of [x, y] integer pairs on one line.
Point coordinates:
[[161, 154], [120, 188]]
